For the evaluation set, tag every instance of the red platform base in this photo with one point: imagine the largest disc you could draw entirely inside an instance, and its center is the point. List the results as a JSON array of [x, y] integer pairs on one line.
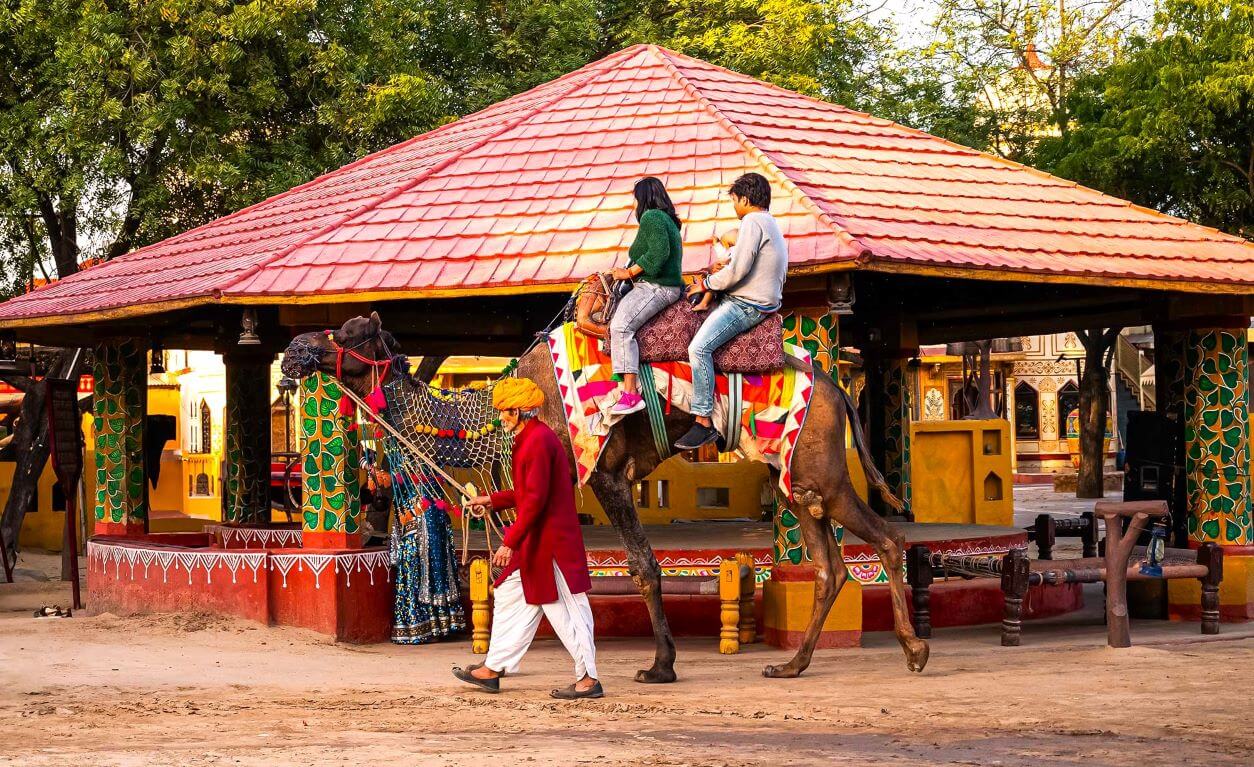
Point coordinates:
[[346, 594], [265, 575]]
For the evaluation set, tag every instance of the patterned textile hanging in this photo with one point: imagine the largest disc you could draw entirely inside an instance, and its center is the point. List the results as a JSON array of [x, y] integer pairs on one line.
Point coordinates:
[[457, 431]]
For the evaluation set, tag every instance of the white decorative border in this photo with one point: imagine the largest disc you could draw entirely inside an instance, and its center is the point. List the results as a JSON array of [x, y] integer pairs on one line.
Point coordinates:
[[264, 538], [341, 563], [104, 554]]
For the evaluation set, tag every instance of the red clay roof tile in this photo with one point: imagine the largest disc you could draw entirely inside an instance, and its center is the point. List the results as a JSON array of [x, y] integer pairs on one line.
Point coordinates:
[[536, 190]]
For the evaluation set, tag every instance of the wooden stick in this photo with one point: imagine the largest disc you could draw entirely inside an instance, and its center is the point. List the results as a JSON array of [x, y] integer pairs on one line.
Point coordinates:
[[1119, 545]]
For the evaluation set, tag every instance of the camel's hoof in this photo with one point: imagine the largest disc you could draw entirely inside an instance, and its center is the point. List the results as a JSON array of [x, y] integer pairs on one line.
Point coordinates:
[[781, 672], [917, 654], [656, 675]]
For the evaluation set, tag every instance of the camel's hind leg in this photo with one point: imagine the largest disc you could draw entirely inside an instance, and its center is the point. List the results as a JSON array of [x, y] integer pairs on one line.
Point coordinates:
[[859, 519], [829, 577]]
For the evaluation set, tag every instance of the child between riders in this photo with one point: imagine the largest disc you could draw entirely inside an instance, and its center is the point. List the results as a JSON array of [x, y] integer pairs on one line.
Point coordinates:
[[655, 263], [728, 241]]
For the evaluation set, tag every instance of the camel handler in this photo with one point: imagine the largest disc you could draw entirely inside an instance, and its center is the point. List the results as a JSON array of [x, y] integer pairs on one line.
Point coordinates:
[[544, 568]]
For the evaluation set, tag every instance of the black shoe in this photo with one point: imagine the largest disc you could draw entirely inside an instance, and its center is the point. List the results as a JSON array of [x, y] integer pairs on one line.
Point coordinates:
[[697, 436], [487, 685], [574, 693]]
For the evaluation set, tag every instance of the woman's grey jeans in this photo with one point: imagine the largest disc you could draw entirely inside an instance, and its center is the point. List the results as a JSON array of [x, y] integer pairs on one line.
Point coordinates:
[[639, 306]]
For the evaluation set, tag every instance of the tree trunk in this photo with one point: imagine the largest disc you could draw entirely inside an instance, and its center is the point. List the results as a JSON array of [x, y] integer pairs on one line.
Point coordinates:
[[1094, 406], [30, 447]]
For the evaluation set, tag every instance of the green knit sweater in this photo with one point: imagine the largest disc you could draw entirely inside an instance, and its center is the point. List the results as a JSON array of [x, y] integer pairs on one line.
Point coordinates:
[[658, 250]]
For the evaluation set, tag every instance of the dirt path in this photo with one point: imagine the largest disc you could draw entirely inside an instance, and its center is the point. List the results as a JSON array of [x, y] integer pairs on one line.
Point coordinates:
[[201, 690]]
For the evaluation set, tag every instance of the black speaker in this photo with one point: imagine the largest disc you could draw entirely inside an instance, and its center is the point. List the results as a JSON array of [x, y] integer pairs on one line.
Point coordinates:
[[1152, 464]]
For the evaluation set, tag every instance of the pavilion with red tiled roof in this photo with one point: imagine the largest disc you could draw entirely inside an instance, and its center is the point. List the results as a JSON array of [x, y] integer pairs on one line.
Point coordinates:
[[469, 237], [534, 193]]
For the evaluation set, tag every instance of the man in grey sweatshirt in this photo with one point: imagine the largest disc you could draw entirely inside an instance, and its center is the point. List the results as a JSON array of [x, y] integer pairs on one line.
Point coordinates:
[[752, 284]]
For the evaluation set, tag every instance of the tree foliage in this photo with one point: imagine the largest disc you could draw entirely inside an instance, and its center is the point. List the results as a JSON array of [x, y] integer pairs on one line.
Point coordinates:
[[1172, 126], [1021, 58], [135, 120]]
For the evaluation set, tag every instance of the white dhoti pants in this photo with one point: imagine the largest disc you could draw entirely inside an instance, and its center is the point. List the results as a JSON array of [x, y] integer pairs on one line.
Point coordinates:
[[514, 624]]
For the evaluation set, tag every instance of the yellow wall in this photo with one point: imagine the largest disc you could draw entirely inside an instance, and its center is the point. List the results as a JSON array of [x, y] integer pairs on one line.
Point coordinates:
[[44, 528], [960, 472]]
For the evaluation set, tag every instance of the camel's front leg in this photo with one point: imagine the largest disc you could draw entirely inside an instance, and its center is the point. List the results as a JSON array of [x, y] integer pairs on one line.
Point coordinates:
[[614, 493]]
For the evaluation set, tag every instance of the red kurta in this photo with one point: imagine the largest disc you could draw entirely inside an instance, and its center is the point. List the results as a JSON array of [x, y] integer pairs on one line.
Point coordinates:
[[547, 528]]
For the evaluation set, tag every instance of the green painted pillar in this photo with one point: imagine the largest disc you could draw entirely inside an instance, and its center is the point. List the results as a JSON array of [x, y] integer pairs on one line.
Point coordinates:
[[818, 330], [120, 405], [1216, 436], [331, 488], [246, 499]]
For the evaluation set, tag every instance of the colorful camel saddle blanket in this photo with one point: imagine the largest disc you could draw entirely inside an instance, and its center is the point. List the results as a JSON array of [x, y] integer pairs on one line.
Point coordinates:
[[769, 409], [666, 338]]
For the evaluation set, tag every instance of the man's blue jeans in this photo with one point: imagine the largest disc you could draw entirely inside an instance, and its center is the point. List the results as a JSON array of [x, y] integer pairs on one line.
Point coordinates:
[[728, 320]]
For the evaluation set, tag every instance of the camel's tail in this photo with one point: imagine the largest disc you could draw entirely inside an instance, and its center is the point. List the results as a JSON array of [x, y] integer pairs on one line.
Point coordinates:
[[873, 475]]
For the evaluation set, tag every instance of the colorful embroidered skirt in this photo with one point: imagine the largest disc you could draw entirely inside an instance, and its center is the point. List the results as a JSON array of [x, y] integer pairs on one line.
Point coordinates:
[[428, 603]]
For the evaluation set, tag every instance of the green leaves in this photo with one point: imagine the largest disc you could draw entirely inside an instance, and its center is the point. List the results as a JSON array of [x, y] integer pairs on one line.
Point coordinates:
[[1169, 127]]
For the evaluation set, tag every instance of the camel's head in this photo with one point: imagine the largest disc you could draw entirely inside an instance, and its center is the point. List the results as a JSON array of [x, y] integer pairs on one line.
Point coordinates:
[[355, 353]]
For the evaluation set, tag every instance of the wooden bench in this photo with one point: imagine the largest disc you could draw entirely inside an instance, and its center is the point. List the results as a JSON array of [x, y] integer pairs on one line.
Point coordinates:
[[1018, 573], [1046, 530]]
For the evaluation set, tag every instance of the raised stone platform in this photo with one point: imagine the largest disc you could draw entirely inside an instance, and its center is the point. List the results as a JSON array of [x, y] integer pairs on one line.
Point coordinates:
[[263, 574]]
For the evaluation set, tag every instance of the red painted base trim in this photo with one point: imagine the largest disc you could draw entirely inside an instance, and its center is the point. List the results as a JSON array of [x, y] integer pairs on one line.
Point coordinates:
[[120, 529], [970, 603], [791, 640], [344, 593], [320, 539]]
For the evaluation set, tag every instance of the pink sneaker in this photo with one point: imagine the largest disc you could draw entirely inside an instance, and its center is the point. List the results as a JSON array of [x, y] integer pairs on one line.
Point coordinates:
[[628, 403]]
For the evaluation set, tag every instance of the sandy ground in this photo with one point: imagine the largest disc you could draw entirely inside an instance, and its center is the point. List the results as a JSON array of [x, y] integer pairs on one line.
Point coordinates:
[[203, 690]]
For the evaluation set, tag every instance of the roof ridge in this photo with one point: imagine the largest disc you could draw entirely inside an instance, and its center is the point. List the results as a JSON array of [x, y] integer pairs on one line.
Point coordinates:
[[966, 150], [846, 239], [591, 70]]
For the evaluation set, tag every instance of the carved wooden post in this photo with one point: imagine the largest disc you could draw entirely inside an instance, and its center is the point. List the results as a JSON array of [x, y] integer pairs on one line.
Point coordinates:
[[1046, 532], [748, 588], [1119, 544], [1015, 574], [729, 595], [480, 615], [919, 576], [1211, 555], [1088, 537]]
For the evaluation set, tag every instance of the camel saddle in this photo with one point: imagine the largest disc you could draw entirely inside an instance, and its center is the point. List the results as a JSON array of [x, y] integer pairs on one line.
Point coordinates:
[[666, 337]]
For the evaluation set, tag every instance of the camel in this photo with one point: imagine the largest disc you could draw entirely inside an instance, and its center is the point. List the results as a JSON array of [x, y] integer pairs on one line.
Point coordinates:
[[822, 491]]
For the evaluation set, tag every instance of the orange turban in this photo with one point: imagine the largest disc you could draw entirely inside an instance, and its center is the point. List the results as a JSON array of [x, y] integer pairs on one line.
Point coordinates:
[[517, 394]]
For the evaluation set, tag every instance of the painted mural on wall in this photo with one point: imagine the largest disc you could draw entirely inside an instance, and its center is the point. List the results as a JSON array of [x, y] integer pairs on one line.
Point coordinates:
[[1216, 436], [119, 403], [331, 501]]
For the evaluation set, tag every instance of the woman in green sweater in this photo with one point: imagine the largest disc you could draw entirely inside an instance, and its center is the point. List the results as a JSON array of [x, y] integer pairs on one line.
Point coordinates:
[[655, 262]]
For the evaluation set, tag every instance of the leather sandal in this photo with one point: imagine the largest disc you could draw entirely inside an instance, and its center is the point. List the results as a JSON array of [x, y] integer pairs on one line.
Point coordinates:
[[574, 693], [477, 666], [487, 685]]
